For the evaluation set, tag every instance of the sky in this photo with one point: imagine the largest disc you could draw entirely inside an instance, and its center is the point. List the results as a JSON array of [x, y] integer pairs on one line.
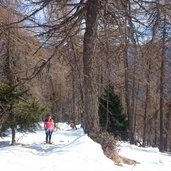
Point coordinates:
[[72, 150]]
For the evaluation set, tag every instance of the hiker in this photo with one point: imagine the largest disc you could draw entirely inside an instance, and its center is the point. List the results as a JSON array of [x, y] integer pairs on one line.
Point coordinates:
[[49, 126]]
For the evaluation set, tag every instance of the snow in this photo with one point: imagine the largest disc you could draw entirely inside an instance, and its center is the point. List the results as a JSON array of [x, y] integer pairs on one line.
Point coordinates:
[[72, 150]]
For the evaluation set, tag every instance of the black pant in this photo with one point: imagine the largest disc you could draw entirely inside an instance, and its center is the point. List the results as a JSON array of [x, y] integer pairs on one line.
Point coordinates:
[[48, 135]]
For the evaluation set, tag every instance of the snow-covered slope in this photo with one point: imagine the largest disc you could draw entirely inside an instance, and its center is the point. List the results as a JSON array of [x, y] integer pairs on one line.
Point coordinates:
[[72, 150]]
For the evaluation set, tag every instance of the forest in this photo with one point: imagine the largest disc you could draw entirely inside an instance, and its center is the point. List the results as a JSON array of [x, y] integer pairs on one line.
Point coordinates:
[[100, 63]]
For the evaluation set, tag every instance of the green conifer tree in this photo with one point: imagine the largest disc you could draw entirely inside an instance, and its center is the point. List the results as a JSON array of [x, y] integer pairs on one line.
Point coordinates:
[[111, 115], [17, 112]]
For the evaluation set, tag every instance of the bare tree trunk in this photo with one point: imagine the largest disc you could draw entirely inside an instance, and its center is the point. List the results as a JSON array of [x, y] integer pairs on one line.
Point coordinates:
[[127, 95], [73, 94], [107, 110], [10, 81], [169, 130], [133, 96], [13, 136], [147, 101], [162, 72], [126, 5], [106, 29], [90, 114], [135, 111], [53, 97], [145, 116]]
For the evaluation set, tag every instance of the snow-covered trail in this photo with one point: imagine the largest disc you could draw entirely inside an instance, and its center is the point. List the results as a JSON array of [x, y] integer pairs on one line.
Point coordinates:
[[71, 150]]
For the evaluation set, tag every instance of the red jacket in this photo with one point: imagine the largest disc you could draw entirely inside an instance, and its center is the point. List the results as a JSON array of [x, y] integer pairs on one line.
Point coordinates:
[[49, 125]]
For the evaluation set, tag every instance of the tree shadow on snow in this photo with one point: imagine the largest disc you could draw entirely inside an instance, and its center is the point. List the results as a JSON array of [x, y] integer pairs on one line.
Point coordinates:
[[46, 149], [4, 144], [41, 149]]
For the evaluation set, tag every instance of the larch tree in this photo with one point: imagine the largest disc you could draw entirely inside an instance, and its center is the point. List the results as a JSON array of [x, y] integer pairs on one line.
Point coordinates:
[[67, 26], [90, 114], [122, 41]]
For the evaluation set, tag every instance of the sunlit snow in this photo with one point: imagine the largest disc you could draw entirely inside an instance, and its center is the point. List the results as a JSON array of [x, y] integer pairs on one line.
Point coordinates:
[[72, 150]]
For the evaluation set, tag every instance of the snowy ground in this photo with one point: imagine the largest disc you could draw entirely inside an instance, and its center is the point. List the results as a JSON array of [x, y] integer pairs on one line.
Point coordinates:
[[73, 151]]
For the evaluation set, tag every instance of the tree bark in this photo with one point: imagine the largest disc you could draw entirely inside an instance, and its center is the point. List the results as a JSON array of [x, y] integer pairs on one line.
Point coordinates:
[[127, 99], [145, 116], [126, 5], [53, 96], [10, 81], [147, 101], [90, 113], [107, 110], [13, 136], [162, 72], [169, 136]]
